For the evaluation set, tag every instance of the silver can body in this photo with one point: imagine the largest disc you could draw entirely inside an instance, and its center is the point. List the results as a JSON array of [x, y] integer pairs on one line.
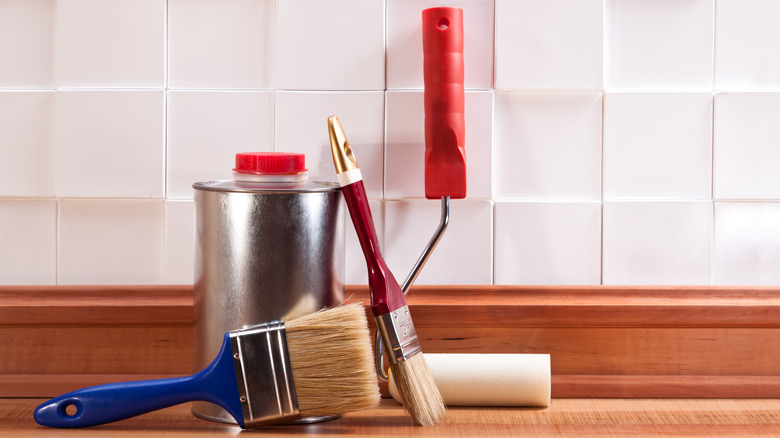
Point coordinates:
[[264, 253]]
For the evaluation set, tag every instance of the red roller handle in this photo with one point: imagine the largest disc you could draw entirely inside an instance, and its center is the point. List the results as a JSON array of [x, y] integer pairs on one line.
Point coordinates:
[[445, 130]]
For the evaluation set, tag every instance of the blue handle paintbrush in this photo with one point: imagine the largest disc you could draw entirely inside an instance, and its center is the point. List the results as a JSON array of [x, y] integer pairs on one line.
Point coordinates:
[[266, 374]]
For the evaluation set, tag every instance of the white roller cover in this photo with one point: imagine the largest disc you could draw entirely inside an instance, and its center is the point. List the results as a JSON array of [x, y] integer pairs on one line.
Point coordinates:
[[489, 379]]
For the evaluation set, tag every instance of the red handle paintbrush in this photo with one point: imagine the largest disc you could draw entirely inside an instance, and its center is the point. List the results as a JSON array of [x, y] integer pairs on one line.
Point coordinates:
[[413, 378]]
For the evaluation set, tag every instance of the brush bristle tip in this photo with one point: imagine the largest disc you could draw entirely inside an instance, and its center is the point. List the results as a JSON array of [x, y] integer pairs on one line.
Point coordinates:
[[421, 397]]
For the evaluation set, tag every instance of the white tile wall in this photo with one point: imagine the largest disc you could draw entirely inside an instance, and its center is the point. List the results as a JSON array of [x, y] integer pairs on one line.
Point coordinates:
[[28, 232], [179, 241], [110, 43], [657, 242], [548, 242], [225, 44], [27, 43], [333, 45], [110, 143], [27, 154], [111, 241], [747, 249], [747, 146], [548, 145], [658, 145], [539, 46], [748, 40], [653, 45], [614, 142]]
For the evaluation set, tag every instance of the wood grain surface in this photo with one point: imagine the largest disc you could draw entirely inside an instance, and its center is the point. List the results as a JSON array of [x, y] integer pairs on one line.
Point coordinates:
[[604, 341], [564, 418]]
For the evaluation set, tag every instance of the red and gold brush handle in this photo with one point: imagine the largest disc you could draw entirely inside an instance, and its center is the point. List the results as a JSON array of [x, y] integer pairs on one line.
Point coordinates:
[[386, 294]]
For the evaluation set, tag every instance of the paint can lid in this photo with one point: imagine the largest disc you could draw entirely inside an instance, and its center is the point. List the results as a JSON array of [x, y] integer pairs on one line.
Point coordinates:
[[270, 163]]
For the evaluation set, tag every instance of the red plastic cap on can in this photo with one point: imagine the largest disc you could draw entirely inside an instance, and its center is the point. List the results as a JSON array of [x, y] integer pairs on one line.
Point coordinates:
[[270, 163]]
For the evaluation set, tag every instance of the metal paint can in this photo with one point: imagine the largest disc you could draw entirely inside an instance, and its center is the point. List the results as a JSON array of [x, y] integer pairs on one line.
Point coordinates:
[[269, 247]]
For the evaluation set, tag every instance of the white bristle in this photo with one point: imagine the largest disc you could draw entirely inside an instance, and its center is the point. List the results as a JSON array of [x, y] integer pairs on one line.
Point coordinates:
[[332, 361], [421, 397]]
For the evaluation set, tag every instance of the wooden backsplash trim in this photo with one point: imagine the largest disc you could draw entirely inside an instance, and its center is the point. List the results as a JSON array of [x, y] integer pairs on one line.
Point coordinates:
[[95, 305], [434, 306], [604, 341], [596, 306]]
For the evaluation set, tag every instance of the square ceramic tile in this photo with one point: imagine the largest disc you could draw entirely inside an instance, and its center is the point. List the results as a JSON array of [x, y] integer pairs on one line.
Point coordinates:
[[111, 242], [747, 146], [548, 145], [111, 43], [356, 271], [28, 242], [225, 44], [548, 242], [27, 143], [302, 126], [657, 243], [405, 144], [653, 44], [27, 44], [747, 43], [747, 243], [335, 45], [658, 145], [404, 42], [538, 46], [110, 143], [464, 254], [205, 131], [179, 242]]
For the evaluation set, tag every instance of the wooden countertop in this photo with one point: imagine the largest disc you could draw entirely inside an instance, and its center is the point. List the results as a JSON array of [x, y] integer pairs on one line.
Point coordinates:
[[565, 417]]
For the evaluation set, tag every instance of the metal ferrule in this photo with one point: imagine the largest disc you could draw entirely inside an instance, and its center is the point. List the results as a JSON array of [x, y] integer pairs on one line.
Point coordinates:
[[398, 334], [264, 376]]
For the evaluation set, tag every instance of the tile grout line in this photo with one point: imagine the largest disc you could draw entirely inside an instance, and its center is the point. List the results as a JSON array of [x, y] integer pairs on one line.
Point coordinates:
[[603, 203], [166, 85], [713, 274], [57, 216], [605, 78], [713, 243], [275, 80], [494, 204], [55, 142]]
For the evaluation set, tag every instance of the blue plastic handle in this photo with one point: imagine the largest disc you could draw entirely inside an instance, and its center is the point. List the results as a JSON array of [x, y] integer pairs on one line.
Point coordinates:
[[118, 401]]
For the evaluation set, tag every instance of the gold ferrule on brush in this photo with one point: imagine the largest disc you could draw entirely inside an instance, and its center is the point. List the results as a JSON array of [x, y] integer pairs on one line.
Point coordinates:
[[398, 334], [343, 158]]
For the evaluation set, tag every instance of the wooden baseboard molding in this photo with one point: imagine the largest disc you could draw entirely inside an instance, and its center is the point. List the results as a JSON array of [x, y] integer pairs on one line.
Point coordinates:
[[604, 341], [566, 386]]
